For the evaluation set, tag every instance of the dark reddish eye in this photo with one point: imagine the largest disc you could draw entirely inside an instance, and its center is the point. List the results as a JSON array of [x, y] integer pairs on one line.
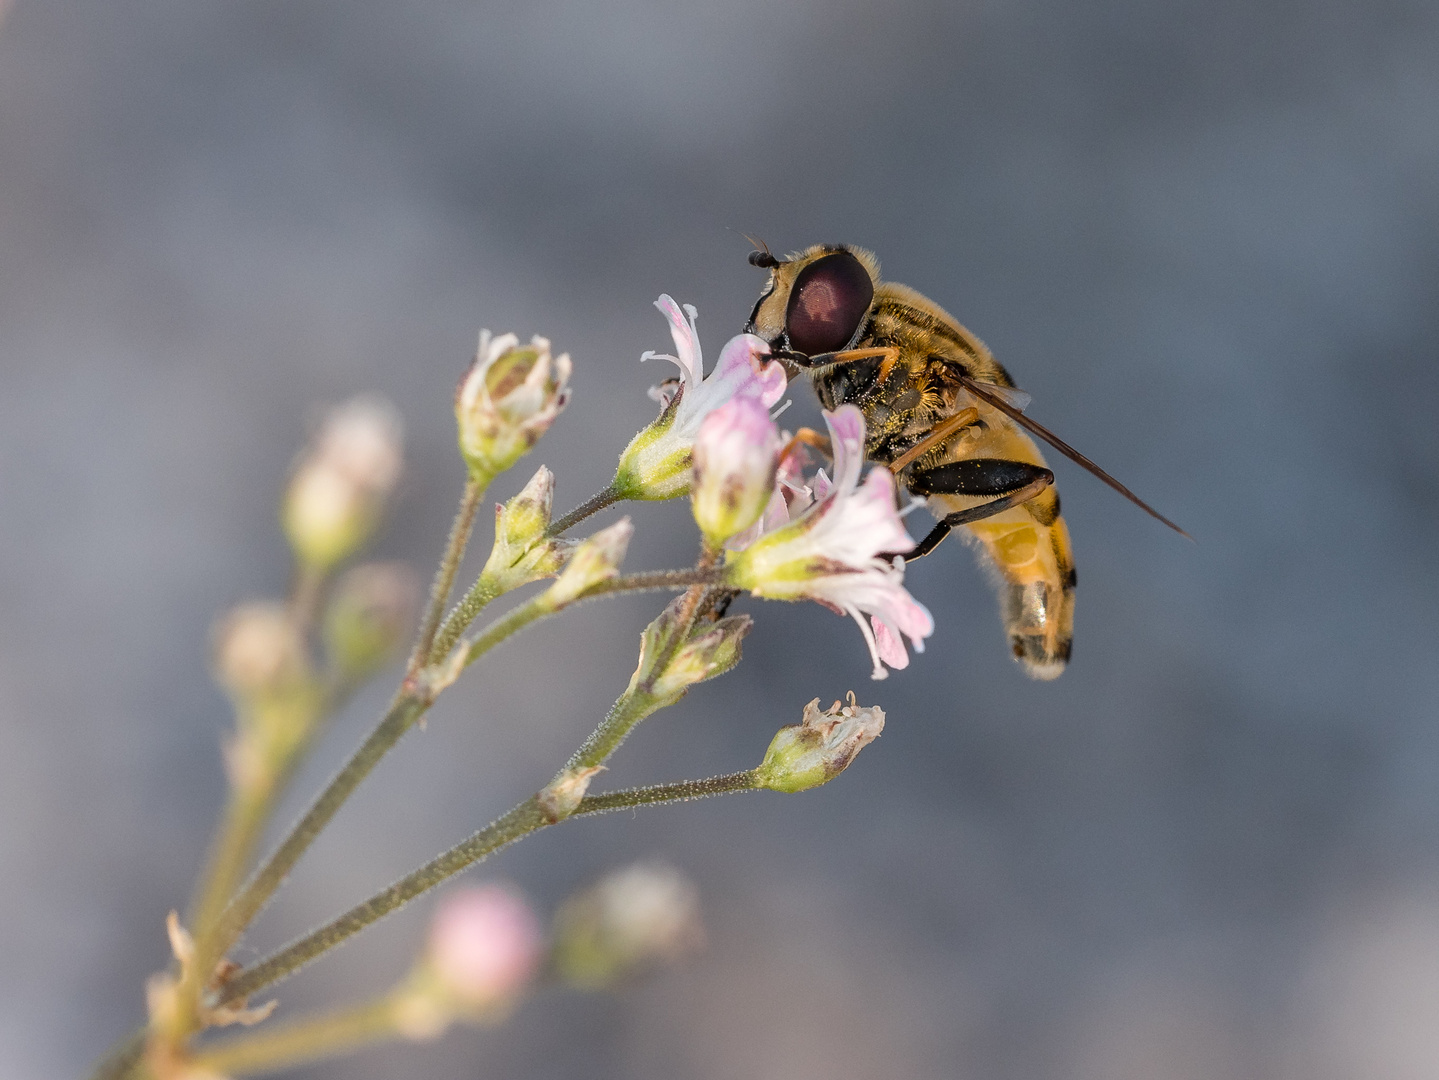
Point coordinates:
[[829, 300]]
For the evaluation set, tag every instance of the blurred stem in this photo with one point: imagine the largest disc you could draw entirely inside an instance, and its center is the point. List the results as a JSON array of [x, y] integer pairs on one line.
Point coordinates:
[[729, 784], [307, 1039], [445, 576], [305, 592], [591, 506], [121, 1059]]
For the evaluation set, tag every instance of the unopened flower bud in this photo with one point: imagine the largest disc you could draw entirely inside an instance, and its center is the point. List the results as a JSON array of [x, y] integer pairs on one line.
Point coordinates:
[[338, 491], [630, 920], [259, 652], [819, 747], [509, 398], [711, 649], [563, 795], [522, 552], [484, 949], [735, 457], [594, 562], [371, 612]]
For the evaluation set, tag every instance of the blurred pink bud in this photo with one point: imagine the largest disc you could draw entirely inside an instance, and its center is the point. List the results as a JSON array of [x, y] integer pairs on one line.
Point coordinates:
[[734, 460], [485, 945]]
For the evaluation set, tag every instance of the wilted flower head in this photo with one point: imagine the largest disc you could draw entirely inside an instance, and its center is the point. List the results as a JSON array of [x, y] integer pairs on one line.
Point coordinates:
[[630, 920], [369, 615], [509, 398], [843, 552], [339, 487], [819, 747], [485, 946], [259, 651], [523, 552], [735, 457], [656, 464]]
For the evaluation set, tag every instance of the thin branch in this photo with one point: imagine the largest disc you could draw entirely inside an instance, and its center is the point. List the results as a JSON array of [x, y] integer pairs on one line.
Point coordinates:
[[591, 506], [445, 576], [308, 1039]]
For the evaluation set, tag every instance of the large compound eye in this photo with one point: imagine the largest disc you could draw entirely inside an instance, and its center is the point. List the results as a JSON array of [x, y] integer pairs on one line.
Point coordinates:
[[828, 301]]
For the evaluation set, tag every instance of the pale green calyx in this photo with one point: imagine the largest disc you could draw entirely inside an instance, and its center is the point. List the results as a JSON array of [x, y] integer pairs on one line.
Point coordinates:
[[592, 563], [819, 747], [523, 552], [656, 463]]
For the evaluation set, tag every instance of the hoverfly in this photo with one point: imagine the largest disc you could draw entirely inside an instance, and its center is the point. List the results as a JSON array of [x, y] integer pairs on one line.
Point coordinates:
[[945, 418]]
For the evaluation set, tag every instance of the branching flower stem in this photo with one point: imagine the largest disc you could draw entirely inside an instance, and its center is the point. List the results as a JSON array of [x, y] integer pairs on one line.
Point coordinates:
[[523, 820], [409, 705]]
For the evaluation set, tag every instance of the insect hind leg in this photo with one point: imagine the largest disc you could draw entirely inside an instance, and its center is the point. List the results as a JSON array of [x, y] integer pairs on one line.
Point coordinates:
[[1010, 483]]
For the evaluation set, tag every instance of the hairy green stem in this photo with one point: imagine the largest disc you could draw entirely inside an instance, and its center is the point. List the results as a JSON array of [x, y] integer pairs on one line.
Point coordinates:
[[407, 707], [593, 505], [445, 576], [524, 819], [729, 784], [308, 1039], [471, 604]]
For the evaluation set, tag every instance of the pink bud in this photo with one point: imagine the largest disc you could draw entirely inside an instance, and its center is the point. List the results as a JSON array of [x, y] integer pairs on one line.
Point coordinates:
[[735, 457], [485, 944]]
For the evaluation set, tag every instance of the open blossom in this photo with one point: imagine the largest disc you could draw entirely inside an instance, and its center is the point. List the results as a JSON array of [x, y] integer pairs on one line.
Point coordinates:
[[839, 552], [508, 398], [656, 464]]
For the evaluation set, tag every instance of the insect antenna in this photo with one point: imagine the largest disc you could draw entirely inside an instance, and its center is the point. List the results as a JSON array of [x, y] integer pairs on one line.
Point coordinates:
[[979, 391]]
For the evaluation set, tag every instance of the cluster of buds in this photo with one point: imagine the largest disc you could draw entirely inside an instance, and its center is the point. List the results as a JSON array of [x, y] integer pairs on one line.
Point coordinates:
[[508, 398], [819, 747], [524, 551], [338, 491], [629, 921]]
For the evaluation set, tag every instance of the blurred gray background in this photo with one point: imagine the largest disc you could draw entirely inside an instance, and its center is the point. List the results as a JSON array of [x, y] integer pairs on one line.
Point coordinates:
[[1205, 236]]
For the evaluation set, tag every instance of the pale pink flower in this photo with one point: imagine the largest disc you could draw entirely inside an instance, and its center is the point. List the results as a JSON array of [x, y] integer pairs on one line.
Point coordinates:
[[485, 945], [734, 462], [843, 551], [656, 464]]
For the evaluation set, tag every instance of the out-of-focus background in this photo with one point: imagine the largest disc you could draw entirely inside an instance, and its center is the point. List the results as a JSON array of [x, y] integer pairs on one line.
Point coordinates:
[[1205, 237]]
